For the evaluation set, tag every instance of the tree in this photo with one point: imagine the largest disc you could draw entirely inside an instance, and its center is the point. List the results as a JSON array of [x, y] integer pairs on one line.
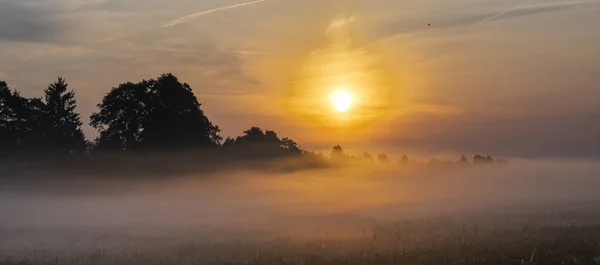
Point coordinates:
[[252, 135], [156, 114], [463, 160], [62, 124], [383, 158], [404, 159], [121, 117], [290, 148], [8, 137], [31, 126], [255, 143], [337, 153], [229, 142], [21, 119], [479, 159], [174, 119]]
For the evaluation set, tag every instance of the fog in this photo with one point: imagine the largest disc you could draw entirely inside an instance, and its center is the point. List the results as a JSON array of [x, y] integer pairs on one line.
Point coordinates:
[[342, 201]]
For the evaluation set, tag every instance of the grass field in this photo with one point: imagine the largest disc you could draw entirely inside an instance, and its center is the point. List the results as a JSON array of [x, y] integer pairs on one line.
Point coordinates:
[[515, 239], [544, 213]]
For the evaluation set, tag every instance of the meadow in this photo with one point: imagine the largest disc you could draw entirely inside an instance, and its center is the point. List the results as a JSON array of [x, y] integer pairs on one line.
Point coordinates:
[[526, 213]]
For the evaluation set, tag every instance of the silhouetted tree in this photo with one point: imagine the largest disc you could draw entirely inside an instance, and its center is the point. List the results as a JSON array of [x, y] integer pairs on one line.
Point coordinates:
[[121, 117], [463, 160], [383, 159], [22, 124], [337, 153], [32, 131], [252, 135], [158, 114], [434, 162], [229, 142], [62, 124], [174, 119], [290, 148], [256, 144], [367, 157], [479, 159], [8, 120], [404, 159]]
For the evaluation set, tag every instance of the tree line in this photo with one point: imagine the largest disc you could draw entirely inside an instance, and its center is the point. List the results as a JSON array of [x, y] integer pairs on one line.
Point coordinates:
[[159, 114], [339, 156], [155, 116], [35, 127]]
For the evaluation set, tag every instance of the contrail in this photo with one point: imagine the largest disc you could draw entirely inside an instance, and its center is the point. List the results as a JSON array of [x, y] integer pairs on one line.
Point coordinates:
[[502, 13], [206, 12]]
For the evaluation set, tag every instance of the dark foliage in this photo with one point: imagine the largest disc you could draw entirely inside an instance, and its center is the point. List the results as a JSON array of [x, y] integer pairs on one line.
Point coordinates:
[[337, 154], [61, 123], [479, 159], [158, 114], [256, 144], [383, 158], [33, 128]]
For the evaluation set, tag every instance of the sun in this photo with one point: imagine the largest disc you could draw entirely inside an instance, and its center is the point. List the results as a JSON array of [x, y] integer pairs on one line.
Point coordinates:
[[341, 100]]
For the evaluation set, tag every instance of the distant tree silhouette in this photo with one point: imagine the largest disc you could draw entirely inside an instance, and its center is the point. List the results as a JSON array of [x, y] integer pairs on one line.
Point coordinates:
[[156, 114], [337, 153], [433, 161], [437, 163], [404, 159], [258, 144], [479, 159], [62, 124], [383, 158], [367, 157], [463, 160], [290, 148]]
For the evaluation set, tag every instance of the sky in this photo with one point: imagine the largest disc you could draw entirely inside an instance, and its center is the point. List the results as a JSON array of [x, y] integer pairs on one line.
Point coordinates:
[[514, 78]]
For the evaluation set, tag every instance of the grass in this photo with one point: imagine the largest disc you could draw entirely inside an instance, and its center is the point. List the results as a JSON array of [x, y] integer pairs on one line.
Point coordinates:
[[418, 242]]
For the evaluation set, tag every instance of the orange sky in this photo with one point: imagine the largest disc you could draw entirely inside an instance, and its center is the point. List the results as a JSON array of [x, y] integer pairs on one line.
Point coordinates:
[[499, 77]]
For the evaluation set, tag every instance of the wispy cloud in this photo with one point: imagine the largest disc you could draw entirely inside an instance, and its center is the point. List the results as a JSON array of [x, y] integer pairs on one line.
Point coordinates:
[[206, 12], [240, 52], [398, 29], [503, 12]]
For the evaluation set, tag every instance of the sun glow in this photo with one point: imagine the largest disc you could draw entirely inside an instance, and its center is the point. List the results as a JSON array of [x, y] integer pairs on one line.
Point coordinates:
[[342, 90], [341, 100]]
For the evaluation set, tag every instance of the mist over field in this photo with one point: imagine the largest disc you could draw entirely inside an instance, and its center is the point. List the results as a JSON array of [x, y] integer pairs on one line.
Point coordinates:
[[343, 201]]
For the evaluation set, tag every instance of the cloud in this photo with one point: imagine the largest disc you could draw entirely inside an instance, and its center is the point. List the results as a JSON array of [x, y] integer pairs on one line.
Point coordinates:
[[341, 22], [405, 27], [521, 11], [206, 12], [257, 53], [501, 13], [21, 23]]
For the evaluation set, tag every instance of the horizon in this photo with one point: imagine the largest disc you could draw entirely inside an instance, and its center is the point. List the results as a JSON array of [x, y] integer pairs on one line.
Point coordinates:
[[425, 92]]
